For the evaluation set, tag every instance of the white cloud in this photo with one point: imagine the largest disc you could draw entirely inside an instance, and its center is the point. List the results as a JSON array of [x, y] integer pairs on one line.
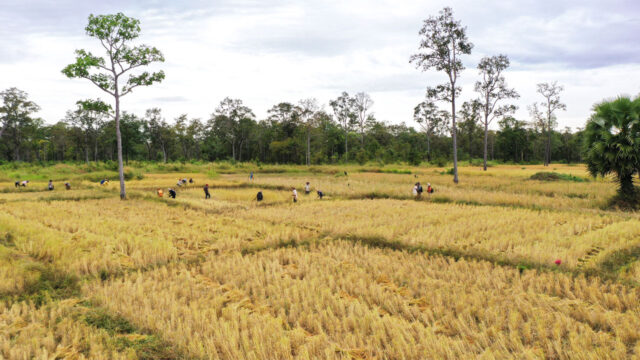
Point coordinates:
[[265, 52]]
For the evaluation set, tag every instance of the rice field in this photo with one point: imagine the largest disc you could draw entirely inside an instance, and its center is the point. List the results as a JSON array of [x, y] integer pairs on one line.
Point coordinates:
[[499, 266]]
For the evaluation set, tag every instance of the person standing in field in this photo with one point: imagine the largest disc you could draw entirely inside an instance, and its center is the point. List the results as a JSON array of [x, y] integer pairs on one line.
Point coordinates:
[[50, 186], [206, 192], [294, 194], [160, 192], [172, 193], [251, 175], [259, 196], [320, 194], [67, 185], [17, 183], [415, 190], [429, 189], [307, 188], [420, 190]]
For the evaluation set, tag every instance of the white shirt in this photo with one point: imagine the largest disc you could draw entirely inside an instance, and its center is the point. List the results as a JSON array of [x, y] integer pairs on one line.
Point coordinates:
[[295, 193], [415, 191], [307, 188]]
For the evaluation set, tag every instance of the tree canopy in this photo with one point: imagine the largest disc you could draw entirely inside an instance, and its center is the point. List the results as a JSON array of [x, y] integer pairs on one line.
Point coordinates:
[[612, 144]]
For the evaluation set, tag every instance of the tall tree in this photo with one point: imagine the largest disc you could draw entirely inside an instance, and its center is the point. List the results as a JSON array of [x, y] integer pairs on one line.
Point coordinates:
[[115, 32], [15, 114], [89, 117], [195, 131], [159, 133], [612, 145], [470, 115], [432, 120], [444, 41], [132, 135], [511, 139], [344, 110], [363, 104], [182, 135], [189, 136], [226, 123], [493, 89], [308, 110], [544, 113]]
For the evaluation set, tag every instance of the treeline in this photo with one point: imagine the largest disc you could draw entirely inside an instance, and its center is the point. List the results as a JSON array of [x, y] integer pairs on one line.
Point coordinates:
[[301, 133]]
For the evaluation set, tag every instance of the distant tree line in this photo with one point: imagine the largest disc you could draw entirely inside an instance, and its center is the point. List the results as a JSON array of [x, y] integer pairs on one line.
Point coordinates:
[[295, 133]]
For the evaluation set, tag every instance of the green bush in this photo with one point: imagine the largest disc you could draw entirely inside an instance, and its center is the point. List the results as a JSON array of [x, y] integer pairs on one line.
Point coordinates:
[[440, 161]]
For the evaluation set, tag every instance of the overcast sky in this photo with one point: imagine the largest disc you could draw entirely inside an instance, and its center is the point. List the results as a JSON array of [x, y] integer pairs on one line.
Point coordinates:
[[269, 51]]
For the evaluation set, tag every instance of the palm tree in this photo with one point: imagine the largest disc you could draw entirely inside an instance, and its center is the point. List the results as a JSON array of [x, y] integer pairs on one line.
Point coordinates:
[[612, 144]]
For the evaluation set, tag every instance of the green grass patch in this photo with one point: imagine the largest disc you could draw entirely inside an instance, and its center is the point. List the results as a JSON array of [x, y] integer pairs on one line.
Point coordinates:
[[554, 176], [126, 336], [51, 285], [385, 171]]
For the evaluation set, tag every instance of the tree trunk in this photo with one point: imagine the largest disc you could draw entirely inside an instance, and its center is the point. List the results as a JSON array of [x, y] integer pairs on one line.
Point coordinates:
[[428, 147], [453, 116], [308, 146], [470, 144], [493, 147], [86, 148], [453, 135], [626, 189], [164, 153], [17, 144], [233, 149], [346, 145], [486, 142], [123, 193], [549, 145], [95, 150]]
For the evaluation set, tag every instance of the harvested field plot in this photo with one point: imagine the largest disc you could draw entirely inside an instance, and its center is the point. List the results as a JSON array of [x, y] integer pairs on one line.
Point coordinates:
[[365, 273]]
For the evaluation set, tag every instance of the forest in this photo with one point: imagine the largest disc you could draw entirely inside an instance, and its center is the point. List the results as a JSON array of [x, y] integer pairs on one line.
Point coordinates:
[[232, 132]]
